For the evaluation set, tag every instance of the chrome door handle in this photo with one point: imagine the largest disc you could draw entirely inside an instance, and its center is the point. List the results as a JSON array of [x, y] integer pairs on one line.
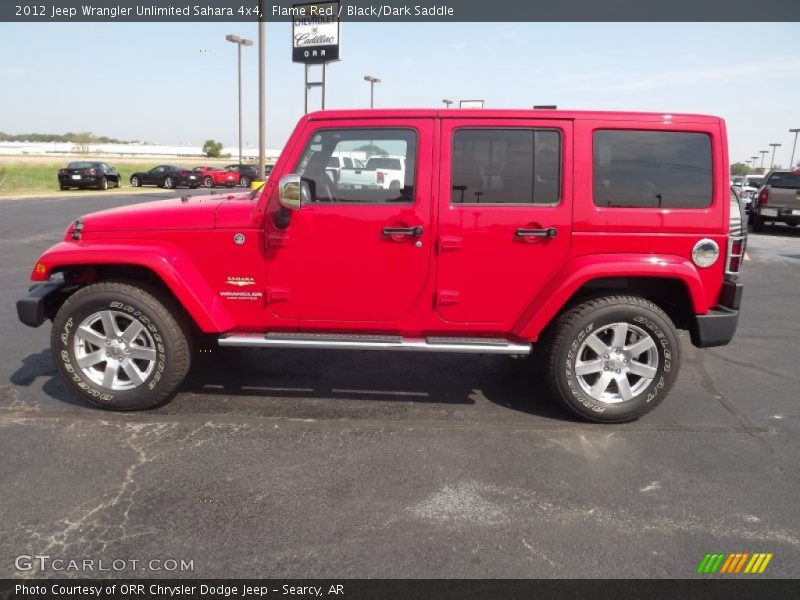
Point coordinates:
[[415, 231], [548, 232]]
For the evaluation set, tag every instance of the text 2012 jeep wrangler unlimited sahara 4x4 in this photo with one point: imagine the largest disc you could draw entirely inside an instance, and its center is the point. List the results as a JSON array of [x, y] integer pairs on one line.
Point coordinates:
[[587, 238]]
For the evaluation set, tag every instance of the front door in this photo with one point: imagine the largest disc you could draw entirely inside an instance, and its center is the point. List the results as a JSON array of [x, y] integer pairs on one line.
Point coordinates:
[[504, 215], [360, 248]]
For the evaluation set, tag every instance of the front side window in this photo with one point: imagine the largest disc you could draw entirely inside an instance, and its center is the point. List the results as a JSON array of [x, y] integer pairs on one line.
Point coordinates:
[[506, 166], [392, 152], [652, 169]]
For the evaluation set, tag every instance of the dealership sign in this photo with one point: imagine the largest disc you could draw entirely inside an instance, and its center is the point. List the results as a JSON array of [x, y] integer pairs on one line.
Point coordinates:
[[315, 32]]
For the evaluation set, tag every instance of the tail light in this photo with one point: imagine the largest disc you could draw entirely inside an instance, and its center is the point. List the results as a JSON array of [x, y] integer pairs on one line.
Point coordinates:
[[90, 171], [736, 246], [63, 172], [381, 176], [763, 195], [183, 172], [737, 237]]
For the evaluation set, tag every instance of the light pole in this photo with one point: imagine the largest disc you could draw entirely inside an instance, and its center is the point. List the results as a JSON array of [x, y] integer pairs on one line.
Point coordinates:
[[755, 158], [262, 90], [763, 154], [794, 145], [774, 147], [235, 39], [447, 103], [372, 82]]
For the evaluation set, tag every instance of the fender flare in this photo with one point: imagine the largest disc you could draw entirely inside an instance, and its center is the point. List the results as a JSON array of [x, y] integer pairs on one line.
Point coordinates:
[[165, 260], [576, 273]]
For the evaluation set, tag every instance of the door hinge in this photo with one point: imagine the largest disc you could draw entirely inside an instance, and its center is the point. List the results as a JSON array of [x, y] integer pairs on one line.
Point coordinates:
[[446, 297], [449, 242], [277, 294]]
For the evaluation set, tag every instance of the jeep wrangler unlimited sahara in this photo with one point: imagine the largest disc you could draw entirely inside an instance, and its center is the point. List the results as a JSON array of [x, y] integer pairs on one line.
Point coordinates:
[[585, 238]]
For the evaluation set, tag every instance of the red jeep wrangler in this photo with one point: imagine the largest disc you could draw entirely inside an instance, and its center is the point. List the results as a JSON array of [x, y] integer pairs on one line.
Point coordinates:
[[585, 238]]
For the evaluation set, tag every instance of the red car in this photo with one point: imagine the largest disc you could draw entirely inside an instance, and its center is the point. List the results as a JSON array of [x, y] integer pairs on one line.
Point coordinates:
[[213, 176], [586, 238]]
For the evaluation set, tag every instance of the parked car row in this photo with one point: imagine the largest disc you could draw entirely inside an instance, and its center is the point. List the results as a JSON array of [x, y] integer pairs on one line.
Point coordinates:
[[96, 174]]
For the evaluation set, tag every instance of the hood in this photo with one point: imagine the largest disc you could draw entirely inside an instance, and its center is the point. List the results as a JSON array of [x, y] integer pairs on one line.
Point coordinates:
[[198, 212]]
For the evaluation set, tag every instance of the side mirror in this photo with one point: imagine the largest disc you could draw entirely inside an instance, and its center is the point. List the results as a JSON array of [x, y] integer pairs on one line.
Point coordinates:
[[293, 191]]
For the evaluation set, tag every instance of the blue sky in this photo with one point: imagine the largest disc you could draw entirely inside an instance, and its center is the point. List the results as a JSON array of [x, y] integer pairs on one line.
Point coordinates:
[[152, 82]]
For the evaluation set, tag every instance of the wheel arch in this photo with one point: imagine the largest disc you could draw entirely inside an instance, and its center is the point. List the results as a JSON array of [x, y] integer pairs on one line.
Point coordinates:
[[670, 282], [166, 269]]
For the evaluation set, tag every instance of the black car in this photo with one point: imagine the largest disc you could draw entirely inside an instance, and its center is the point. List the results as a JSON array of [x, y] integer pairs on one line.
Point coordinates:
[[247, 173], [166, 176], [83, 174]]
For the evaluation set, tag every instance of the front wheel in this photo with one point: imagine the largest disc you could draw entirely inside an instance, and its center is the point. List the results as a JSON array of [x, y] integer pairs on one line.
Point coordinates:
[[135, 182], [244, 182], [169, 183], [613, 359], [102, 184], [120, 345], [208, 182]]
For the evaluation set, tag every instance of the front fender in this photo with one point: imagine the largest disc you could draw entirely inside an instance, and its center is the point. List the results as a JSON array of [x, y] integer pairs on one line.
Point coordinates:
[[576, 273], [166, 260]]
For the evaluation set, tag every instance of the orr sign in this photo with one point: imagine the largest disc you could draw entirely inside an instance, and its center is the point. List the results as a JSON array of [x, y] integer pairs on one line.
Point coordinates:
[[315, 32]]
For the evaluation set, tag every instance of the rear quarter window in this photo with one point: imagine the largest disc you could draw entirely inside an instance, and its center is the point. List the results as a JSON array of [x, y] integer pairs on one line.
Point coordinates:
[[652, 169]]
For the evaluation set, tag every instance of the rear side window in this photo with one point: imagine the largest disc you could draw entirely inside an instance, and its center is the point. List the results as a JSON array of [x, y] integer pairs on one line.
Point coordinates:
[[506, 166], [785, 180], [652, 169]]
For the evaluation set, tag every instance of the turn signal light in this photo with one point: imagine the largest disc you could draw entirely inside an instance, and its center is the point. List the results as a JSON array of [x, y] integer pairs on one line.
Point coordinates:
[[40, 269]]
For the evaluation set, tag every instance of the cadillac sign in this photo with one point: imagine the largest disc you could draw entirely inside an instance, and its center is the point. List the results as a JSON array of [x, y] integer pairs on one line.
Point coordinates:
[[315, 32]]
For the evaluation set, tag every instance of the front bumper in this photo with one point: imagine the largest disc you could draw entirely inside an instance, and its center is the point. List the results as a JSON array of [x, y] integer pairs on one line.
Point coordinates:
[[33, 308], [718, 326]]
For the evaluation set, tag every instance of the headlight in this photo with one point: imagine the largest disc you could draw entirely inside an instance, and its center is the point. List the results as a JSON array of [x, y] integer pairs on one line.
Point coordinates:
[[705, 253]]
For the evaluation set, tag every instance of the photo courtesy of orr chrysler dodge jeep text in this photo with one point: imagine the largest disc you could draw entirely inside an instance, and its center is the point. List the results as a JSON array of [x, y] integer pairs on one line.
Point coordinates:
[[585, 239]]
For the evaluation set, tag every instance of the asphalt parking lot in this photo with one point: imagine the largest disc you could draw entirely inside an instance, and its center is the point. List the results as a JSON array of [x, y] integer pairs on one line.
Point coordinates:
[[350, 464]]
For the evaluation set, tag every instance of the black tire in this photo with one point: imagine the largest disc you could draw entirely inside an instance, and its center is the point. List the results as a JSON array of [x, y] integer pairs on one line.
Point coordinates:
[[193, 186], [229, 185], [135, 181], [64, 187], [169, 183], [208, 182], [102, 184], [566, 339], [119, 183], [164, 322], [757, 224], [244, 182]]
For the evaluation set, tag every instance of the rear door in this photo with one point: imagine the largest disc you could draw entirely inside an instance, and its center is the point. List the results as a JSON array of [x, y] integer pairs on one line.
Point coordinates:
[[504, 215]]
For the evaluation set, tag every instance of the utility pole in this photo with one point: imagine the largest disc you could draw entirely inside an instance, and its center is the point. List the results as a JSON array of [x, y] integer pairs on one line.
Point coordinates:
[[763, 154], [774, 147], [372, 82], [235, 39], [262, 90], [794, 145], [447, 103]]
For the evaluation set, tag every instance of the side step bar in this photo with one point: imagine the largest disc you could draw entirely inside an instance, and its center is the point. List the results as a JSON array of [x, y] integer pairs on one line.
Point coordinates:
[[373, 342]]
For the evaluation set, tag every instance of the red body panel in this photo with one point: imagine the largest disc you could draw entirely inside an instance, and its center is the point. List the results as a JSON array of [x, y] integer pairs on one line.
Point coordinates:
[[332, 270], [219, 176]]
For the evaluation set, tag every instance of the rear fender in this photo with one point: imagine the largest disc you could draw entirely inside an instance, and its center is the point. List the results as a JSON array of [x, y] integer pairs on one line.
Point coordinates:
[[167, 261], [580, 271]]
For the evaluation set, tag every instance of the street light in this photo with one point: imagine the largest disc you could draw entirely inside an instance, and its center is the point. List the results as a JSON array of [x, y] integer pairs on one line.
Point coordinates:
[[372, 82], [774, 147], [763, 153], [447, 103], [755, 158], [235, 39], [791, 161]]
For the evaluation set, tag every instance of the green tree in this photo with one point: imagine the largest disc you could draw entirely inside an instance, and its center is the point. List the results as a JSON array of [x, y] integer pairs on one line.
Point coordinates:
[[739, 168], [212, 149]]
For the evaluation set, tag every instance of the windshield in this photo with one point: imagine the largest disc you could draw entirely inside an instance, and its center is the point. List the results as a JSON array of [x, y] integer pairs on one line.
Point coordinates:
[[785, 180], [383, 163], [753, 181]]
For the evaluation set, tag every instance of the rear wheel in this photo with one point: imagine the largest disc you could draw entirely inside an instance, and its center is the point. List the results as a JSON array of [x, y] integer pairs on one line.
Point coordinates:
[[208, 182], [229, 185], [169, 183], [120, 346], [613, 359], [102, 184], [244, 182], [135, 182], [64, 187]]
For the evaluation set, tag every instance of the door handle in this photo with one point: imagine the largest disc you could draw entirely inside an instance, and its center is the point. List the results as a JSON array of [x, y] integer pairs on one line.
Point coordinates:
[[415, 231], [548, 232]]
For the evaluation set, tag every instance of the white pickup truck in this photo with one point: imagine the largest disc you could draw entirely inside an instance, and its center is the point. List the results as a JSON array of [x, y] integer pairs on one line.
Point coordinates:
[[380, 172]]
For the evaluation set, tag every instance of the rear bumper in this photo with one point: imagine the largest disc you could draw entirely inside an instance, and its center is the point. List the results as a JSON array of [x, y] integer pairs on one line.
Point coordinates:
[[32, 309], [718, 326], [83, 181]]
